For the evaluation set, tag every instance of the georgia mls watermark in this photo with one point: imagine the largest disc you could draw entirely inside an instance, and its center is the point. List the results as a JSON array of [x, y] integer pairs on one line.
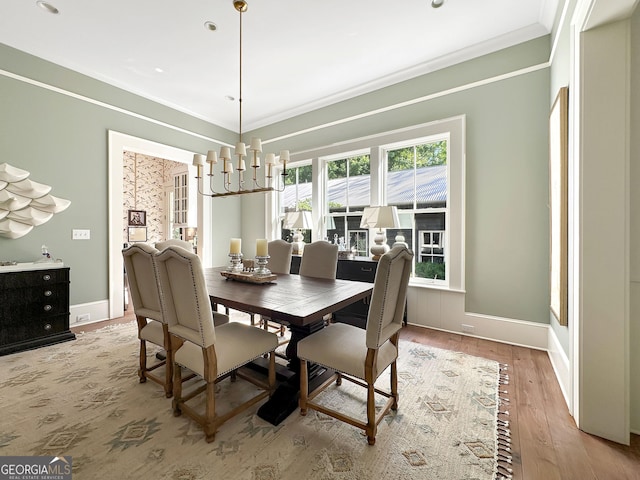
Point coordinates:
[[35, 468]]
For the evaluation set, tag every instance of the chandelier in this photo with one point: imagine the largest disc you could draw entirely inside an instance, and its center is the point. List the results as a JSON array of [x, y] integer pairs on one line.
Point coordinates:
[[240, 152]]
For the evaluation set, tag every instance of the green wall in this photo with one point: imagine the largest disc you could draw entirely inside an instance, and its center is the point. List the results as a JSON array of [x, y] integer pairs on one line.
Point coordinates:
[[62, 141]]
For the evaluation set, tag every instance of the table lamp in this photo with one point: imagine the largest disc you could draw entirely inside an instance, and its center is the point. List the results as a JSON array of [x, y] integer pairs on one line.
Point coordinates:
[[299, 220], [380, 217]]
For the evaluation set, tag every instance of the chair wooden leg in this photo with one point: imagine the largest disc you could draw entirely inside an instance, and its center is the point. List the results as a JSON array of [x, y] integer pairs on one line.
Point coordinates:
[[177, 390], [211, 424], [168, 375], [394, 386], [143, 361], [304, 387], [371, 415]]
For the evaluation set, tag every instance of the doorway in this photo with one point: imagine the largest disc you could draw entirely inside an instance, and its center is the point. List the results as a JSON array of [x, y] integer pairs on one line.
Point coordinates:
[[119, 143]]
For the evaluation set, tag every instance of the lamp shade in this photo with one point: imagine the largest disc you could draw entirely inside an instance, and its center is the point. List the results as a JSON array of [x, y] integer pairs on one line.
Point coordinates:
[[300, 219], [330, 223], [380, 217]]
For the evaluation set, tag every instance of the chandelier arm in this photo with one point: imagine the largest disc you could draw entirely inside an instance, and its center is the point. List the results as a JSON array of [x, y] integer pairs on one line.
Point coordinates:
[[211, 184]]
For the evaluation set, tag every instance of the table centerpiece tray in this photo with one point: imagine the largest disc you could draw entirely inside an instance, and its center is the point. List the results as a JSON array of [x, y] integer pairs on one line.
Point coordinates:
[[249, 277]]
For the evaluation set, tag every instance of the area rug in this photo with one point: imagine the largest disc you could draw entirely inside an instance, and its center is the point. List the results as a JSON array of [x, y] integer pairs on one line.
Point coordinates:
[[83, 399]]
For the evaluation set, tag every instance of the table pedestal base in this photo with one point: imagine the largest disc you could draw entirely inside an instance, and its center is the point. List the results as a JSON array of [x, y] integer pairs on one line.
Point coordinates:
[[284, 400]]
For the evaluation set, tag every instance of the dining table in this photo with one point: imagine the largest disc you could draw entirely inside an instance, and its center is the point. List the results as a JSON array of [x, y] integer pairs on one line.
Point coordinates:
[[299, 302]]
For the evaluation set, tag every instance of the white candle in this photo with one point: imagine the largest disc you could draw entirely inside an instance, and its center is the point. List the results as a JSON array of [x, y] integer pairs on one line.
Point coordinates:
[[234, 246], [262, 248]]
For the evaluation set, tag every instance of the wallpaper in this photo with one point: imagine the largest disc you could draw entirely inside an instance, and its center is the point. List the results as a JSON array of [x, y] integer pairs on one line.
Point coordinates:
[[145, 179]]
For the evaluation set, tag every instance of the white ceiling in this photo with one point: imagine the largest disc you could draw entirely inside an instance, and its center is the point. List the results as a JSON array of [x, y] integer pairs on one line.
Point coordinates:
[[298, 54]]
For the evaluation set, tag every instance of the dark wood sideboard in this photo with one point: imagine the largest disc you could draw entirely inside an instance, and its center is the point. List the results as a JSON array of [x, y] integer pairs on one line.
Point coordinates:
[[34, 309], [361, 269]]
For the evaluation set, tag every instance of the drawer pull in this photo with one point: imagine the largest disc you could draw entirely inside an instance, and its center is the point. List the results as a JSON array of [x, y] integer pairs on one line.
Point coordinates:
[[48, 293], [47, 326], [46, 277], [47, 308], [368, 270]]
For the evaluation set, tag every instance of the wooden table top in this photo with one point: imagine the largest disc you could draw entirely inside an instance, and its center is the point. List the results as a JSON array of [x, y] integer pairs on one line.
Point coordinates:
[[292, 298]]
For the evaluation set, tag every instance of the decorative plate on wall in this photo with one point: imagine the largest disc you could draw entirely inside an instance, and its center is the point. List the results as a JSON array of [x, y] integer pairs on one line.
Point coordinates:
[[24, 203]]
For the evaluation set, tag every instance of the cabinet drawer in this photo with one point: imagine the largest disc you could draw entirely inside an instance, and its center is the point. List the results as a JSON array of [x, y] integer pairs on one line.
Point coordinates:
[[10, 314], [40, 294], [33, 328], [33, 278], [361, 271]]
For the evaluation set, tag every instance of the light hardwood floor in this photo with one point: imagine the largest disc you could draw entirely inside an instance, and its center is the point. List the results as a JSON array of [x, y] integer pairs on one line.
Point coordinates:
[[546, 444]]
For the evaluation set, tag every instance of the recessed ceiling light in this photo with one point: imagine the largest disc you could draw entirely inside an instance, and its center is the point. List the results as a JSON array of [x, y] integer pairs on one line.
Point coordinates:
[[437, 3], [159, 70], [47, 7], [210, 26]]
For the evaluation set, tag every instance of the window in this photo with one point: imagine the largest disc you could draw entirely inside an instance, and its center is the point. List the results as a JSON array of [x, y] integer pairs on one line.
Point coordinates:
[[180, 198], [419, 169], [348, 192], [297, 196], [416, 183]]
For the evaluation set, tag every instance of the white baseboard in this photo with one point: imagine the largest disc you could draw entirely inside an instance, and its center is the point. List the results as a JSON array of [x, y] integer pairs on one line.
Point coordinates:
[[84, 313], [560, 363], [445, 310]]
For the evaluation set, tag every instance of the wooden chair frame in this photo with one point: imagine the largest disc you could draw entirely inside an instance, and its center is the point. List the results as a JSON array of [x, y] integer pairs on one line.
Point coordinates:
[[371, 425], [145, 372], [211, 421]]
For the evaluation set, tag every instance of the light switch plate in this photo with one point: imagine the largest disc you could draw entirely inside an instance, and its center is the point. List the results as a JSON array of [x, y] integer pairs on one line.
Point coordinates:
[[78, 234]]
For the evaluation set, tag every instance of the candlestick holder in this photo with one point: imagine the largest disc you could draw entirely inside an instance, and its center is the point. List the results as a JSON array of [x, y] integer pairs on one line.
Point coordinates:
[[235, 264], [261, 269]]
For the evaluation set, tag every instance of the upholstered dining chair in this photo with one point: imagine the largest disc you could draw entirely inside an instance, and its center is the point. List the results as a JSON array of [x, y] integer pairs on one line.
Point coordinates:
[[213, 353], [280, 253], [143, 288], [217, 319], [176, 242], [361, 356], [320, 260]]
